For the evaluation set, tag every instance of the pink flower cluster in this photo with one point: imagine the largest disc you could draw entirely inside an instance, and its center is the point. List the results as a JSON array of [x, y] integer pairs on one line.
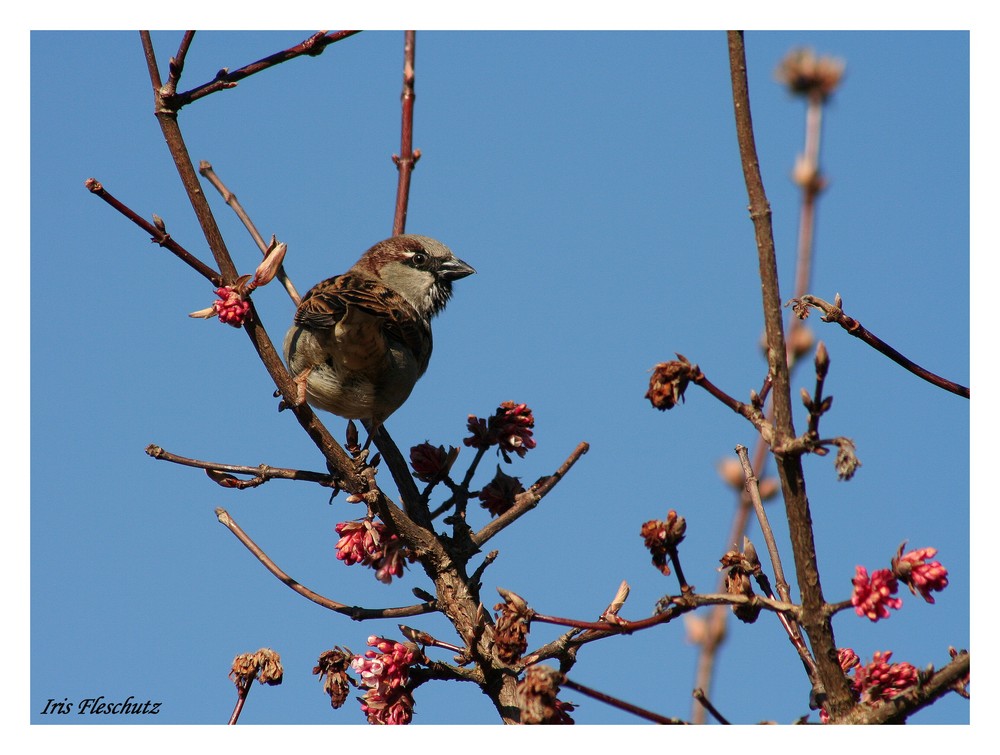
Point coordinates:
[[510, 428], [385, 673], [231, 307], [881, 680], [872, 596], [877, 681], [370, 544], [912, 570]]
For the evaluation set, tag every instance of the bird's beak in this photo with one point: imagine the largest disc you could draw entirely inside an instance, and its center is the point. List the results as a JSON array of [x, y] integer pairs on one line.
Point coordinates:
[[454, 269]]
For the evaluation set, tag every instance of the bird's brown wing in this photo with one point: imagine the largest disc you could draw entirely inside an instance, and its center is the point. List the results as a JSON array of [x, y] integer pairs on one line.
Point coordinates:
[[327, 303]]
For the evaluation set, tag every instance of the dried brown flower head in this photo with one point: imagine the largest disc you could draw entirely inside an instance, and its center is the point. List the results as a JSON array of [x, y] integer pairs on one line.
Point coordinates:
[[669, 381], [265, 665], [662, 538], [847, 461], [537, 695], [332, 669], [808, 75], [739, 568], [512, 624]]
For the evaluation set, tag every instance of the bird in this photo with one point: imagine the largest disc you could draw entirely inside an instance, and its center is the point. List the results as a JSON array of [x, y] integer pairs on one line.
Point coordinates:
[[360, 341]]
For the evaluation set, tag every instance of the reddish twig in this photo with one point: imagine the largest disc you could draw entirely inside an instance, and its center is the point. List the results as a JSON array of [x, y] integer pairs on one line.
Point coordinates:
[[242, 690], [159, 235], [620, 704], [226, 79], [407, 157], [834, 313], [701, 697]]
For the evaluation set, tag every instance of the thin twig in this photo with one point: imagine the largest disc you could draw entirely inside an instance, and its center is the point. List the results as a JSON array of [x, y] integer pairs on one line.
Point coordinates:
[[779, 574], [206, 169], [701, 697], [355, 612], [834, 313], [524, 502], [685, 603], [262, 472], [413, 504], [621, 704], [242, 690], [765, 526], [159, 236], [176, 65], [226, 79], [750, 412], [407, 158]]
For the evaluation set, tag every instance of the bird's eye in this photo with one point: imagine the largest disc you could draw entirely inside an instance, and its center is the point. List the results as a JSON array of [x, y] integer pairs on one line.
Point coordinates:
[[419, 259]]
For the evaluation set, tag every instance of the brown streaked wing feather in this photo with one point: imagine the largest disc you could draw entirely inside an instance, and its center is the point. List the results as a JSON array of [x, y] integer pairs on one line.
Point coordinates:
[[325, 304]]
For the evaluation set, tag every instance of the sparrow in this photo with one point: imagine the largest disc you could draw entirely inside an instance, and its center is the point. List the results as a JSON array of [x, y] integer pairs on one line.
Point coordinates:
[[360, 341]]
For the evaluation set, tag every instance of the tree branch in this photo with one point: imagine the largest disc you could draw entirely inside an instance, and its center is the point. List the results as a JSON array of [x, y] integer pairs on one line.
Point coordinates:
[[818, 627], [903, 706], [834, 313], [407, 158], [226, 79], [261, 473], [530, 498], [354, 612]]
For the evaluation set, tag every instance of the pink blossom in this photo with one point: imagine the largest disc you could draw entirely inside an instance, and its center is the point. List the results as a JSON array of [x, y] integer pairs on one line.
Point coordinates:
[[881, 680], [921, 577], [385, 673], [872, 596], [231, 307], [369, 543]]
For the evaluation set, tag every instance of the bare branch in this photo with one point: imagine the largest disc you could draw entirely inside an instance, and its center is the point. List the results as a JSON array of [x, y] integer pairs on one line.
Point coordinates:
[[790, 472], [407, 158], [159, 235], [834, 313], [261, 473], [904, 705], [354, 612], [206, 170], [226, 79], [529, 498], [701, 697], [614, 702]]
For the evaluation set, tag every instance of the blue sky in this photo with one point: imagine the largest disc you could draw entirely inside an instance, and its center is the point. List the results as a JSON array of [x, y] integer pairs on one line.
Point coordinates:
[[593, 180]]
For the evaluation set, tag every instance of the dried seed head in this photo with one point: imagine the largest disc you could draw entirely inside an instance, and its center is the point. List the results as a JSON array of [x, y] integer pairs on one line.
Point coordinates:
[[537, 696], [669, 381], [807, 75], [332, 669], [512, 624], [662, 538]]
